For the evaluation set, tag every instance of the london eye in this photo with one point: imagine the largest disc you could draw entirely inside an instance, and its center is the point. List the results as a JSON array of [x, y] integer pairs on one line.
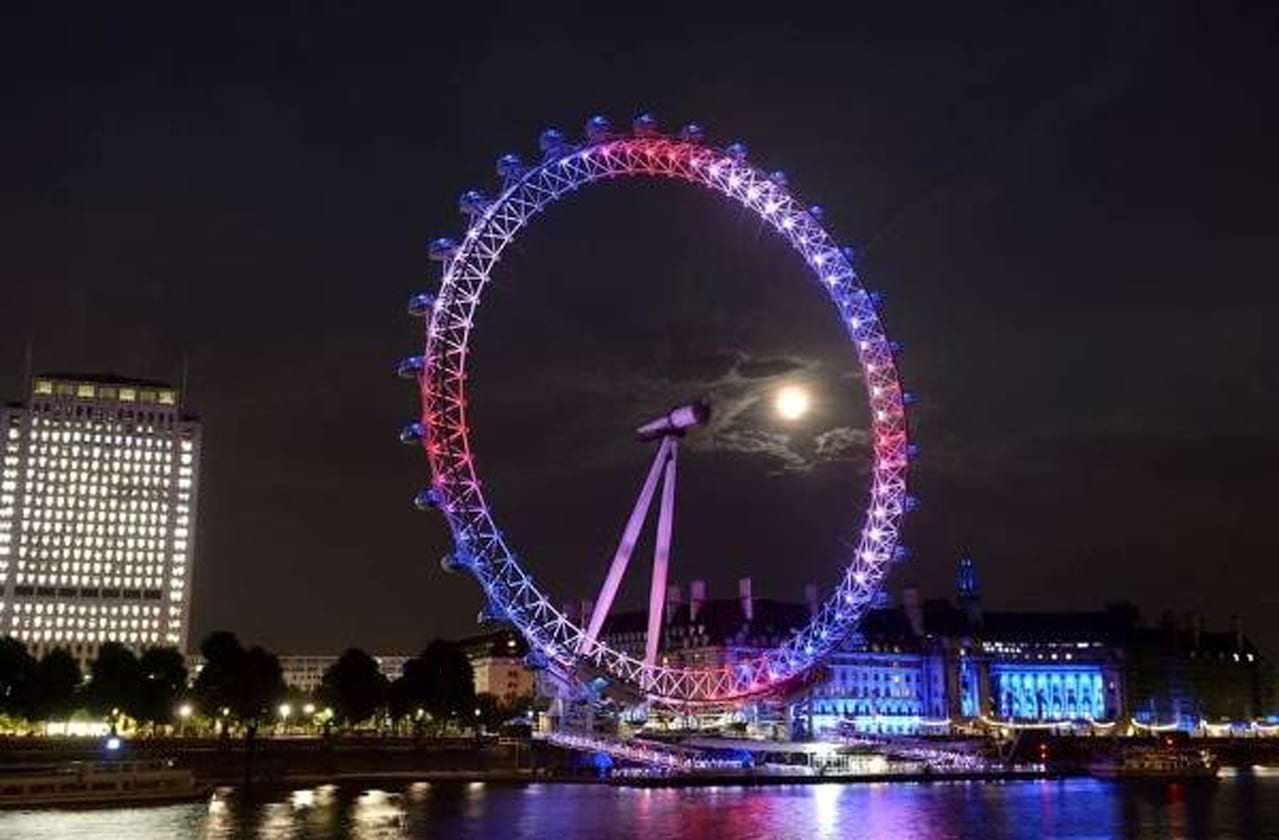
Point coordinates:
[[480, 549]]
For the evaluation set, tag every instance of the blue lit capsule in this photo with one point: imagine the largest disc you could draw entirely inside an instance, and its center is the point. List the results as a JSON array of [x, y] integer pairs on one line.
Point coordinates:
[[817, 212], [911, 504], [645, 125], [901, 552], [410, 367], [912, 451], [427, 499], [693, 133], [535, 660], [851, 253], [472, 202], [778, 178], [598, 128], [510, 166], [875, 298], [457, 561], [442, 249], [412, 434], [895, 347], [421, 304], [737, 151], [909, 398], [551, 140]]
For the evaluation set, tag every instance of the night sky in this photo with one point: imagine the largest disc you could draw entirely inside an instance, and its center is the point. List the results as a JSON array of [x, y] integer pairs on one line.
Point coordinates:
[[1069, 210]]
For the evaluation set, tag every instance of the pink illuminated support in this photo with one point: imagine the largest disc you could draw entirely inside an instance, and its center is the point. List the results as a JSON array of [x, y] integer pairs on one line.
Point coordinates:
[[623, 556], [661, 555]]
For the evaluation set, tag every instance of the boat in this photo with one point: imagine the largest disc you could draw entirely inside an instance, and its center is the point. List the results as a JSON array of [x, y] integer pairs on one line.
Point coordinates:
[[1168, 764], [99, 783]]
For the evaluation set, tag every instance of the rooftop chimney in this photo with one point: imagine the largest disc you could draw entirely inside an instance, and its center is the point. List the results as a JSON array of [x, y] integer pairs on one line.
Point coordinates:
[[810, 597], [748, 602], [696, 598], [673, 600]]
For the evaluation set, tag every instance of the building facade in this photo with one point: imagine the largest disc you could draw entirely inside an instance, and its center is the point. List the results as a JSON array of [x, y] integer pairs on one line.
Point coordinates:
[[98, 510], [497, 661], [928, 666], [303, 672]]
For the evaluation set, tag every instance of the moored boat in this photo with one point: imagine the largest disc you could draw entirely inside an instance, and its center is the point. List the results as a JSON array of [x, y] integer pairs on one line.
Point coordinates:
[[90, 783], [1155, 763]]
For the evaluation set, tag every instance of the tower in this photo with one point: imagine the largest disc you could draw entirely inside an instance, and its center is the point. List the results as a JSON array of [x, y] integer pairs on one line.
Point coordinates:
[[969, 590], [98, 494]]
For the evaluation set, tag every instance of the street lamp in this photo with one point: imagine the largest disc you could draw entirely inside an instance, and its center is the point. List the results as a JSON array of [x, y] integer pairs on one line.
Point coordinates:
[[184, 713], [308, 709], [285, 710]]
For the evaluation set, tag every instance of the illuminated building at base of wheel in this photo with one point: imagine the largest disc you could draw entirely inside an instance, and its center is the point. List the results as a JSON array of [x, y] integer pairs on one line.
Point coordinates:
[[931, 666], [98, 494]]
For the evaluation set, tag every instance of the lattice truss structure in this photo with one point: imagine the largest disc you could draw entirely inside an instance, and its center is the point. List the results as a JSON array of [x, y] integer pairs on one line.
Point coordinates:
[[456, 489]]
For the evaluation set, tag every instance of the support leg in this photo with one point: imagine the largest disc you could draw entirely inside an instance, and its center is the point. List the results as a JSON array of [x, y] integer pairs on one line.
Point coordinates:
[[623, 555], [661, 557]]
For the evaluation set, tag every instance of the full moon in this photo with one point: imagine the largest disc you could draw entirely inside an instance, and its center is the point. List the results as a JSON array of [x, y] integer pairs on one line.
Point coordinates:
[[791, 402]]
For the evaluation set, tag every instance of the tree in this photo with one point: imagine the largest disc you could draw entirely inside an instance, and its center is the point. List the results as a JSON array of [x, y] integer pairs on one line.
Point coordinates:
[[17, 669], [448, 682], [353, 687], [492, 712], [113, 679], [16, 672], [54, 685], [247, 683], [215, 684], [162, 673]]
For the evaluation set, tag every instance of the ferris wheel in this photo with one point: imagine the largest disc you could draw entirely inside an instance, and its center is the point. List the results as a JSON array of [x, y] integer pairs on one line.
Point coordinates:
[[480, 549]]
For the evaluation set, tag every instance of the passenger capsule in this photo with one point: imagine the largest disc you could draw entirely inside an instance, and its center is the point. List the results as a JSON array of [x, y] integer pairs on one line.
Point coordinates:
[[421, 304], [909, 398], [412, 434], [901, 552], [442, 249], [535, 660], [551, 140], [912, 451], [458, 560], [737, 151], [693, 133], [472, 202], [510, 166], [874, 298], [850, 253], [645, 125], [491, 614], [778, 178], [428, 499], [895, 347], [411, 367], [598, 128], [817, 211], [911, 504]]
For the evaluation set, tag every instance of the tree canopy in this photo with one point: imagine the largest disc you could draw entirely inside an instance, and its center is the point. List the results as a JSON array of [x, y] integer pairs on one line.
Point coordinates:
[[353, 687], [55, 683]]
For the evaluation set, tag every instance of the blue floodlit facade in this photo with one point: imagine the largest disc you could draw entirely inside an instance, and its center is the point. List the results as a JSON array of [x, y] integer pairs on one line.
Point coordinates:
[[925, 666]]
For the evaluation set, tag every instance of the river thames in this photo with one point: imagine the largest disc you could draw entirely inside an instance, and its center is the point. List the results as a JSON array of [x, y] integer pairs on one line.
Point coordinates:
[[1242, 804]]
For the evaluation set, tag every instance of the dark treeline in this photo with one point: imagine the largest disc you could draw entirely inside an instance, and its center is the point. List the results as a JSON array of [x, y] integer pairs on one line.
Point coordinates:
[[242, 688]]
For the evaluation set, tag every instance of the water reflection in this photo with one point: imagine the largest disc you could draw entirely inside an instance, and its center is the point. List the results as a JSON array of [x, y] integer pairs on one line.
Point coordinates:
[[1243, 805]]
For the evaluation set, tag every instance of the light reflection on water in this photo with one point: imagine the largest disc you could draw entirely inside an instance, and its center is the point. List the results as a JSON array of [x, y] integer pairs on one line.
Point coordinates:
[[1245, 804]]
